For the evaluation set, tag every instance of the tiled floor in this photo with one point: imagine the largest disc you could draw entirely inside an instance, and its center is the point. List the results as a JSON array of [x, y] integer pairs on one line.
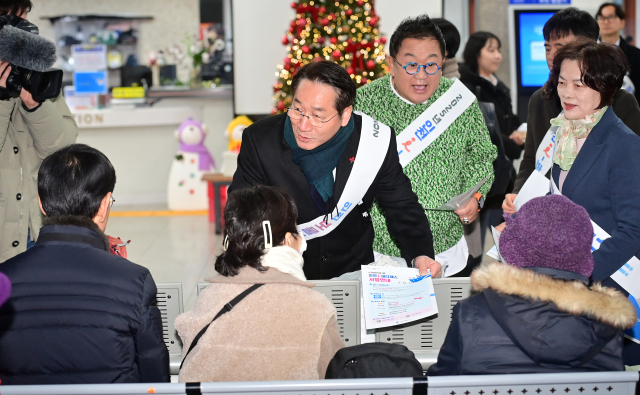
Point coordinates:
[[174, 248]]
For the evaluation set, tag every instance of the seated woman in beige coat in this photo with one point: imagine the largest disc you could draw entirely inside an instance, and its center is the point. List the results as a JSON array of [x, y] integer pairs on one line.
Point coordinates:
[[283, 330]]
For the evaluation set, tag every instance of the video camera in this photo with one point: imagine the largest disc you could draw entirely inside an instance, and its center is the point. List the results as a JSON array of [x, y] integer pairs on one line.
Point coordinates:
[[30, 57]]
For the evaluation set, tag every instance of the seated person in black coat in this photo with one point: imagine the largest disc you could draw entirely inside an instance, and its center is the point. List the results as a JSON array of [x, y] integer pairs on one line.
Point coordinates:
[[537, 313], [318, 151], [77, 312]]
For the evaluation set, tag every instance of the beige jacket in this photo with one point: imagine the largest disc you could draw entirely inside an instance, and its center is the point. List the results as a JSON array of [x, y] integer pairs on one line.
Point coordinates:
[[282, 331], [26, 138]]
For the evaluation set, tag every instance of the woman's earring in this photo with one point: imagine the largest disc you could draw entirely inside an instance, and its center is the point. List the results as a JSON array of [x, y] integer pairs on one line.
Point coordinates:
[[225, 243]]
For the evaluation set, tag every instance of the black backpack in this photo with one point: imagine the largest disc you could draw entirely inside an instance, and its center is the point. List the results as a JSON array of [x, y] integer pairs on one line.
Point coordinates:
[[374, 360]]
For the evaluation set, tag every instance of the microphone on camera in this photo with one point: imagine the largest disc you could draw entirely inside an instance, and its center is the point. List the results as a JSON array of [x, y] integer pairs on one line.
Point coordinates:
[[30, 57], [26, 50]]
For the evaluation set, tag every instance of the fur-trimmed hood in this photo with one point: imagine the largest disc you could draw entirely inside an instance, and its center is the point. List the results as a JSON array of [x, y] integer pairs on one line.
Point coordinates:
[[77, 220], [603, 304], [553, 321]]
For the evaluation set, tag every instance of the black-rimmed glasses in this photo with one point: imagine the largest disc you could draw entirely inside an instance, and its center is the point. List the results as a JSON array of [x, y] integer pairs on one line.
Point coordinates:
[[412, 68]]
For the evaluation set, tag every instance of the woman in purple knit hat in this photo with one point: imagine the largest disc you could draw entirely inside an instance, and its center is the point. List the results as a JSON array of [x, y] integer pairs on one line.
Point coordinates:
[[536, 313]]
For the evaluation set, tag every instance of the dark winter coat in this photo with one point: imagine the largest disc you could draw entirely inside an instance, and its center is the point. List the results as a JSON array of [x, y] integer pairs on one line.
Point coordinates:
[[265, 159], [500, 96], [79, 314], [633, 57], [524, 321]]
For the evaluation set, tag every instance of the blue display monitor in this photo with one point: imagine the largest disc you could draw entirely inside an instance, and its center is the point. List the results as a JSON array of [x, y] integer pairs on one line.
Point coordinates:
[[532, 67]]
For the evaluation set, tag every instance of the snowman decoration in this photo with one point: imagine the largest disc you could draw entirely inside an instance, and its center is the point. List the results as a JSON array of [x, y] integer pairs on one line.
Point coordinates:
[[186, 191]]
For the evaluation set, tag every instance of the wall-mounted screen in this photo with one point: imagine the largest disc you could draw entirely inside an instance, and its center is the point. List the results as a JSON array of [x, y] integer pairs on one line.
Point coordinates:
[[532, 66]]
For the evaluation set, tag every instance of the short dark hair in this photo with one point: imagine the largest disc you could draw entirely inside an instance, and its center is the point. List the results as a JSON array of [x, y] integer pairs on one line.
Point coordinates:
[[420, 26], [74, 180], [602, 67], [332, 74], [571, 21], [451, 36], [618, 10], [474, 46], [15, 7], [244, 235]]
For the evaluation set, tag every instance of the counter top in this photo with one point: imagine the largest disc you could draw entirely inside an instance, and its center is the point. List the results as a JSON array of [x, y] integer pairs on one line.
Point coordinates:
[[220, 92]]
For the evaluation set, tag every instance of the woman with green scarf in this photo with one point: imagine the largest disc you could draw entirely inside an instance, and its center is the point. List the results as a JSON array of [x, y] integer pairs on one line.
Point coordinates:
[[597, 159]]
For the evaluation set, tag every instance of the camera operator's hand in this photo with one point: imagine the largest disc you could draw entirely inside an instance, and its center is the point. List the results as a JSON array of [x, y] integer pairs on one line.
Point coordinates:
[[27, 99]]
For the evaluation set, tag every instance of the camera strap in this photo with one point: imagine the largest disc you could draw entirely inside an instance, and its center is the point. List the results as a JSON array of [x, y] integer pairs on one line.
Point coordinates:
[[227, 307]]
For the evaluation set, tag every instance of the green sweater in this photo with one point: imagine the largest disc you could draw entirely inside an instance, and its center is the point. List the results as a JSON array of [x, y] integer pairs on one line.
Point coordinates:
[[456, 161]]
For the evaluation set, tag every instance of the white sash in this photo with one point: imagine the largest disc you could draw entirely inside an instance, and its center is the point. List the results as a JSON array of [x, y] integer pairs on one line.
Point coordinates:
[[544, 153], [628, 276], [372, 149], [433, 122]]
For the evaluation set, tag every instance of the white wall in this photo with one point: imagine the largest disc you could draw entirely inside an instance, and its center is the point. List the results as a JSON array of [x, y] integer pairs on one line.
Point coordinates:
[[258, 27]]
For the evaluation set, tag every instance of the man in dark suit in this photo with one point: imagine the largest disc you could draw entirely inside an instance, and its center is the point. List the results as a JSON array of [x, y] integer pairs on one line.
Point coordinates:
[[78, 313], [313, 152], [563, 27], [611, 19]]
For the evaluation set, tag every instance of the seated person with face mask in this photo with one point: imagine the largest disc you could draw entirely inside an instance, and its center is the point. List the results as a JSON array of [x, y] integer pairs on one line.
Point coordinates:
[[282, 329]]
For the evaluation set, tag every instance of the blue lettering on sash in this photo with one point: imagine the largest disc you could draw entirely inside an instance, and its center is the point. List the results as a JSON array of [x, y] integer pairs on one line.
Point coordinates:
[[424, 130]]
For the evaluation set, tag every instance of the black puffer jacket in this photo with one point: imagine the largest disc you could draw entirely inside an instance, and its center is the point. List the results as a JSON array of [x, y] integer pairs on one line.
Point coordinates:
[[520, 323], [79, 314], [500, 96]]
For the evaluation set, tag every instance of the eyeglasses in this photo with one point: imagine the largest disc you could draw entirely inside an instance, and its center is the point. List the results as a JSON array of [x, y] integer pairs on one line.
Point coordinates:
[[112, 201], [610, 18], [296, 114], [412, 68]]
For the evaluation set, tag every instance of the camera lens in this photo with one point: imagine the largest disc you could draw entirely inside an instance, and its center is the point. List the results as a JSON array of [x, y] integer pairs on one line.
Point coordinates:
[[43, 84]]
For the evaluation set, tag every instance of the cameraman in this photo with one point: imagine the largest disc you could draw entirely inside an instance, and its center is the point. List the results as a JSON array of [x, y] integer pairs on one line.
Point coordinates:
[[29, 132]]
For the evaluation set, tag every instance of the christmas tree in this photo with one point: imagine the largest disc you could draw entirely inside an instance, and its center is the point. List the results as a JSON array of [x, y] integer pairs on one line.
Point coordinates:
[[344, 31]]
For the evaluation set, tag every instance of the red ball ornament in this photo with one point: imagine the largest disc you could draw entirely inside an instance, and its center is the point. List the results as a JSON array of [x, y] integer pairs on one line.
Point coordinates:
[[293, 4], [336, 54], [321, 40], [360, 3], [324, 22], [349, 41], [349, 12], [371, 64], [383, 40], [281, 105], [323, 9], [285, 40], [333, 40], [317, 59], [276, 87], [302, 22], [306, 49], [364, 81], [287, 61], [350, 70]]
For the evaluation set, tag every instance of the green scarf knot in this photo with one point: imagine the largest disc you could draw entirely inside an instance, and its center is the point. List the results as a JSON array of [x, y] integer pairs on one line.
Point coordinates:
[[569, 132]]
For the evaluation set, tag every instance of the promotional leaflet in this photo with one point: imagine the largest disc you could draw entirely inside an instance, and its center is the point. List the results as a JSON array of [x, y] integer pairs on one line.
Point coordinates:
[[396, 295], [461, 200]]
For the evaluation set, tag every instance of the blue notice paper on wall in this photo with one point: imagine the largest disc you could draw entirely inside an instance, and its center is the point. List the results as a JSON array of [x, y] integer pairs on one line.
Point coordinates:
[[634, 333], [90, 81]]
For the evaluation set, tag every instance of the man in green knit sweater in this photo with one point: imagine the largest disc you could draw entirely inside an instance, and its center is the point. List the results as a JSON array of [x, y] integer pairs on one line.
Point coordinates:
[[460, 156]]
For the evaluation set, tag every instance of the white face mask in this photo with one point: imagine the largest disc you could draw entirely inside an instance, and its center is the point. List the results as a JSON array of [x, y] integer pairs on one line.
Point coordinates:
[[303, 245]]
